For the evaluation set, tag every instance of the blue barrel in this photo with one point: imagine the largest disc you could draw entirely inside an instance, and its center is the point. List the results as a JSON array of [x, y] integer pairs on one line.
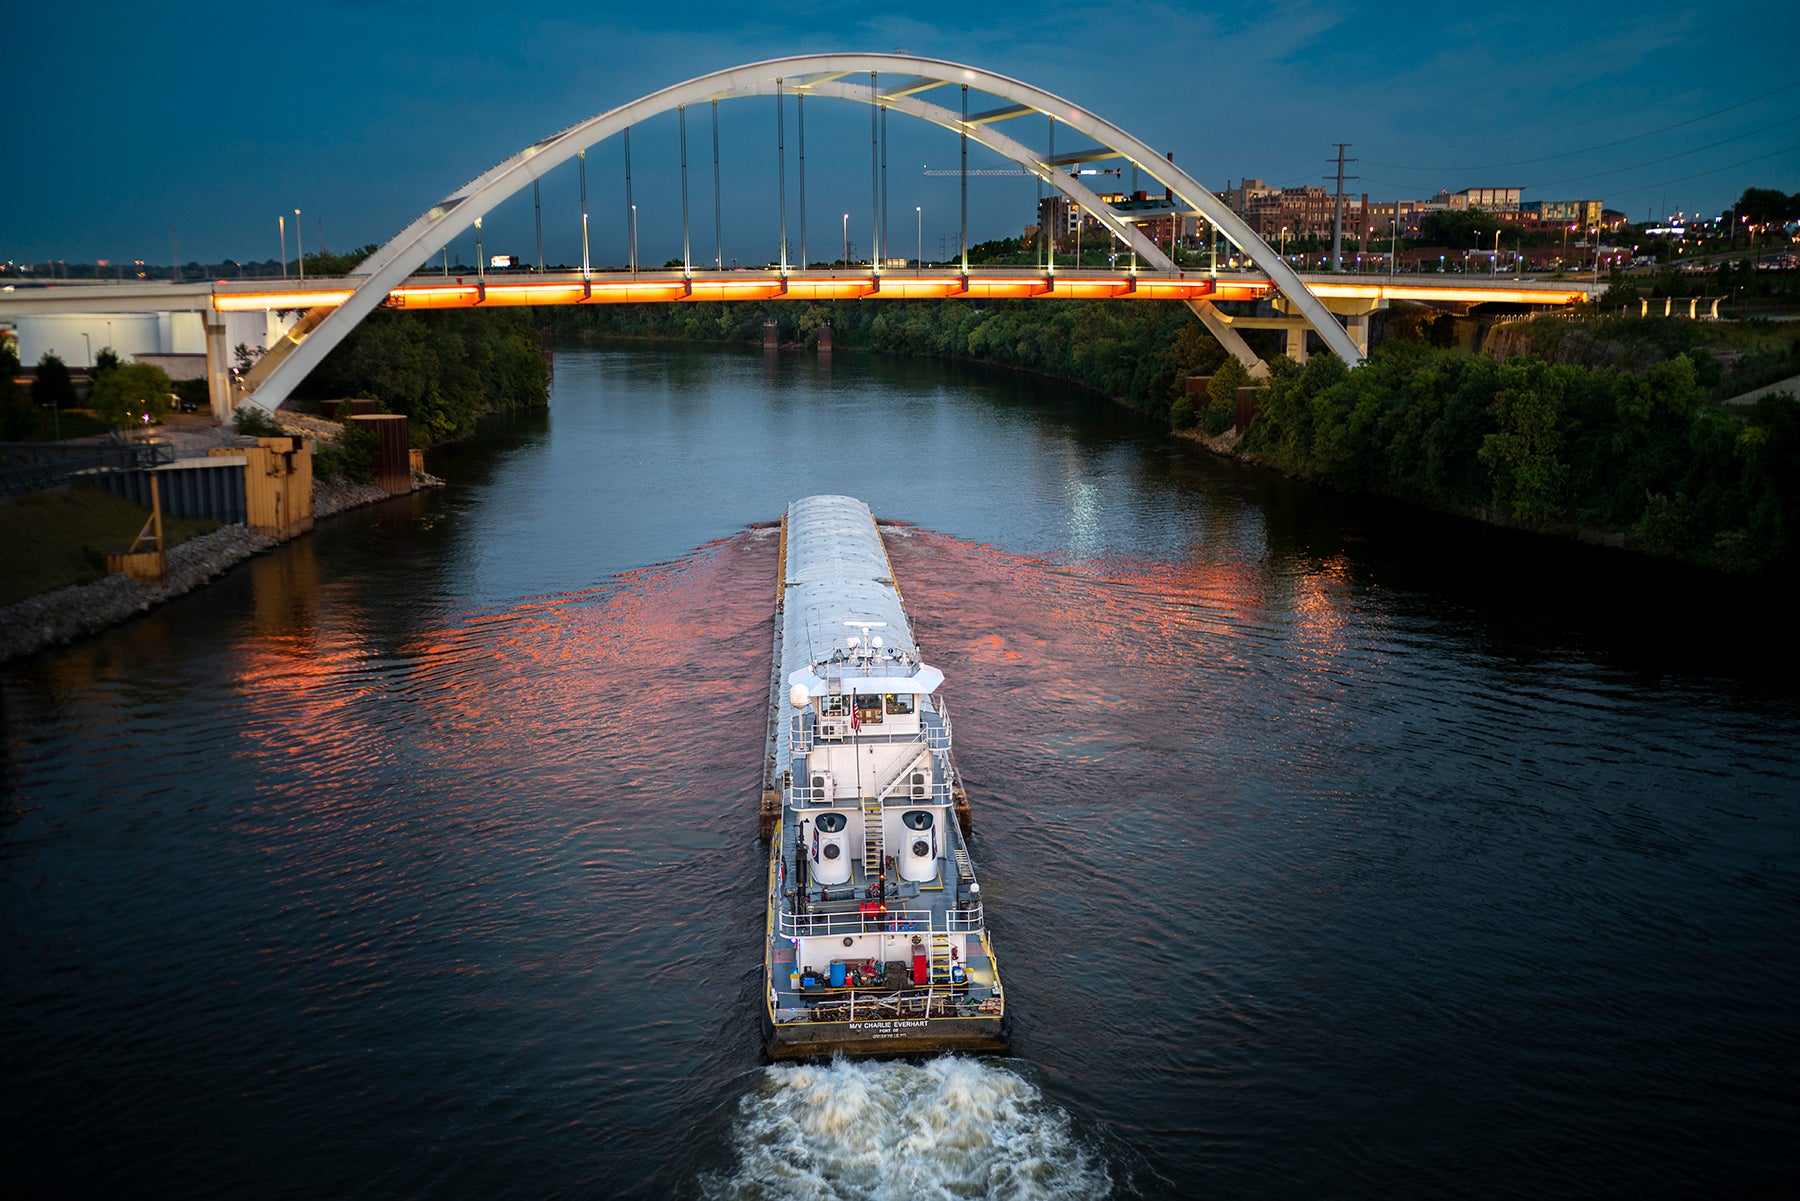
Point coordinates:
[[837, 975]]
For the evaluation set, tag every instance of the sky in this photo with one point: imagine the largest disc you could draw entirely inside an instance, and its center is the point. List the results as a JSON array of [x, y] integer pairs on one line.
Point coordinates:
[[139, 131]]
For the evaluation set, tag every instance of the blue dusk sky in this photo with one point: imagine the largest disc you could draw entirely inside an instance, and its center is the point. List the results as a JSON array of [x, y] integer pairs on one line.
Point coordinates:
[[137, 125]]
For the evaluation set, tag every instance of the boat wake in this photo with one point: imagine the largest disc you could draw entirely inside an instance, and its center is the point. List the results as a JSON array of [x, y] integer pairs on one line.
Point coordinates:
[[950, 1127]]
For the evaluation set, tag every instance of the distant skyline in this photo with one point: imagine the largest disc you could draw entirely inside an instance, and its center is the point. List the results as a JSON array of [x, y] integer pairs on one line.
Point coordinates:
[[133, 126]]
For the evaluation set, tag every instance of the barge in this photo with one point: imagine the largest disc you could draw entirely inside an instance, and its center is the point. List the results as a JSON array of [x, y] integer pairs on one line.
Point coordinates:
[[876, 939]]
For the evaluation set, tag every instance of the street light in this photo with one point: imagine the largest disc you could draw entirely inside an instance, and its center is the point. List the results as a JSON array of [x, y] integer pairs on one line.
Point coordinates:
[[299, 253], [846, 259], [919, 262], [634, 239], [281, 227], [90, 349]]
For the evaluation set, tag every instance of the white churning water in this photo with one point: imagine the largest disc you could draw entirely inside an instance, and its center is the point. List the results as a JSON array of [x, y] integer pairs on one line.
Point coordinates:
[[950, 1127]]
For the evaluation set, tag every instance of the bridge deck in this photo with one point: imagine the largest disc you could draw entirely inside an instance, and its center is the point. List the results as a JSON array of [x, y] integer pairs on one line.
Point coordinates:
[[618, 287]]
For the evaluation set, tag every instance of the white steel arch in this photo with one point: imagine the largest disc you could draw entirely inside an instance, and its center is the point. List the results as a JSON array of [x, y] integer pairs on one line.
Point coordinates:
[[819, 74]]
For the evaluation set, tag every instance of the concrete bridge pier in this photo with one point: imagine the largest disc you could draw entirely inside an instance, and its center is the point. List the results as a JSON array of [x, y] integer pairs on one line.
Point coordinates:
[[218, 366], [1294, 342]]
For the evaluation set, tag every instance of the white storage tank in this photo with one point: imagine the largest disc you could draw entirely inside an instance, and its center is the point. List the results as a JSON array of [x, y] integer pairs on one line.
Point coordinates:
[[918, 845], [831, 847]]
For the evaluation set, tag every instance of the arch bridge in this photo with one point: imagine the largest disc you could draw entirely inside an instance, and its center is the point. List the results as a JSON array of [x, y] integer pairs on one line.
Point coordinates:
[[394, 274]]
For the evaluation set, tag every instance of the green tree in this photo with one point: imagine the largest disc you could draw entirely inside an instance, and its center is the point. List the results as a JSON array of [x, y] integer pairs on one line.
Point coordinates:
[[105, 361], [17, 417], [53, 386], [322, 262], [1464, 229], [130, 394], [1521, 452], [1181, 413], [1221, 393], [1767, 206]]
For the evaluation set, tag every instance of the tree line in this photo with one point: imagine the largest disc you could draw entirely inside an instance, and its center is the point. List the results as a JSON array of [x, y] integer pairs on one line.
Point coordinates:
[[1546, 446], [1640, 453]]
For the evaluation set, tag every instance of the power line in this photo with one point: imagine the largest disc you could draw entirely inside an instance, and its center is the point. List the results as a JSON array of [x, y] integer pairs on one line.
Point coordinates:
[[1714, 171], [1636, 137], [1667, 157]]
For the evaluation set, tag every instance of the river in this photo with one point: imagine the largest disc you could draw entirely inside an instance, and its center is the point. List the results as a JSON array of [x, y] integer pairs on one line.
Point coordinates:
[[1329, 849]]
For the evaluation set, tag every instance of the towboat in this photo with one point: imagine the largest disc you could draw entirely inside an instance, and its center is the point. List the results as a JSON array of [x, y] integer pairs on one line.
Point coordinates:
[[877, 940]]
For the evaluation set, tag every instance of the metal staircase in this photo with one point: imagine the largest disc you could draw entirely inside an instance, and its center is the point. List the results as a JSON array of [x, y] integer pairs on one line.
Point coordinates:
[[940, 958], [872, 843]]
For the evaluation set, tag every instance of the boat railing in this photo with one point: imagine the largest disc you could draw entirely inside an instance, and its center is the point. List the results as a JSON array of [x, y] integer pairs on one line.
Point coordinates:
[[804, 796], [965, 918], [935, 725], [804, 734]]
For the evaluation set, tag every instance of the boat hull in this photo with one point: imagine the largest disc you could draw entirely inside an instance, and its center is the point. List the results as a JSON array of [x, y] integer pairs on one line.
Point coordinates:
[[884, 1037]]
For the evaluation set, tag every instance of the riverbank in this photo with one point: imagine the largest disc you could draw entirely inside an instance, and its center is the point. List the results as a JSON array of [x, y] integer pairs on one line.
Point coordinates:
[[65, 614]]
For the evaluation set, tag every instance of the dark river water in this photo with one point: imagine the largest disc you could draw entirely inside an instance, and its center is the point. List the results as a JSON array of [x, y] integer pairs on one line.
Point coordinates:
[[1330, 850]]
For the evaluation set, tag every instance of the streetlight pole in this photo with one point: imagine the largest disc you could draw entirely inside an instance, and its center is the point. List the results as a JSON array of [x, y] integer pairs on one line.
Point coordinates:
[[90, 350], [298, 252], [919, 262], [846, 241], [281, 227], [634, 264]]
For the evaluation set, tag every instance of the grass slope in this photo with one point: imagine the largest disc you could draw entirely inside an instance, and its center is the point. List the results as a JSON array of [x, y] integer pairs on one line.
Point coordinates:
[[49, 540]]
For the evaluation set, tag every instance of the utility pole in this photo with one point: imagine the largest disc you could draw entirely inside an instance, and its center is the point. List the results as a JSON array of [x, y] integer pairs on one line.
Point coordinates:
[[1337, 224]]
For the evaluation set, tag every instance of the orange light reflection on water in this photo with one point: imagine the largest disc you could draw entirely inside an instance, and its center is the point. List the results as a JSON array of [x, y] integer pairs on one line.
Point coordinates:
[[530, 687]]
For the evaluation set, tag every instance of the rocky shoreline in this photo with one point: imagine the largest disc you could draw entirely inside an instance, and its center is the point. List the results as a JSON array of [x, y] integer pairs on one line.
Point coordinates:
[[69, 613]]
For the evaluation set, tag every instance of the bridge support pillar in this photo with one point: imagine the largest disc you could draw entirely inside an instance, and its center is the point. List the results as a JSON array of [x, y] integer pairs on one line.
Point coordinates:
[[1294, 343], [218, 366]]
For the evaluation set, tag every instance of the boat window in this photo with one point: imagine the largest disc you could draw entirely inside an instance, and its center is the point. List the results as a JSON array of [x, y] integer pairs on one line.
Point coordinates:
[[899, 702], [868, 707], [831, 706]]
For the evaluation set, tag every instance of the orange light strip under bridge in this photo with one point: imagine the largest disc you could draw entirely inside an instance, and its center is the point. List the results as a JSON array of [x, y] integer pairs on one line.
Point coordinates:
[[467, 292], [1475, 293]]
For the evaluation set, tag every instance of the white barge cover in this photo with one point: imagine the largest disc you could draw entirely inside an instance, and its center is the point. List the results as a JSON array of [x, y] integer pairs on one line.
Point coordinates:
[[837, 576], [837, 579]]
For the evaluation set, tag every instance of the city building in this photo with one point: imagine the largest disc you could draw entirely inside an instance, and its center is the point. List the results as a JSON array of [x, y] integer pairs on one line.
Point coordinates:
[[1303, 212]]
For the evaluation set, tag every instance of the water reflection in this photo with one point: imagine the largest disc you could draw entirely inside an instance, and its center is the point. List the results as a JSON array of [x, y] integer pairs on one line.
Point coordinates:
[[1327, 856]]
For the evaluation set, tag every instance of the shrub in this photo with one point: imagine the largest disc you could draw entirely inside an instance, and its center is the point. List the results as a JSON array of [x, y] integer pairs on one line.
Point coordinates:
[[254, 421], [355, 453]]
